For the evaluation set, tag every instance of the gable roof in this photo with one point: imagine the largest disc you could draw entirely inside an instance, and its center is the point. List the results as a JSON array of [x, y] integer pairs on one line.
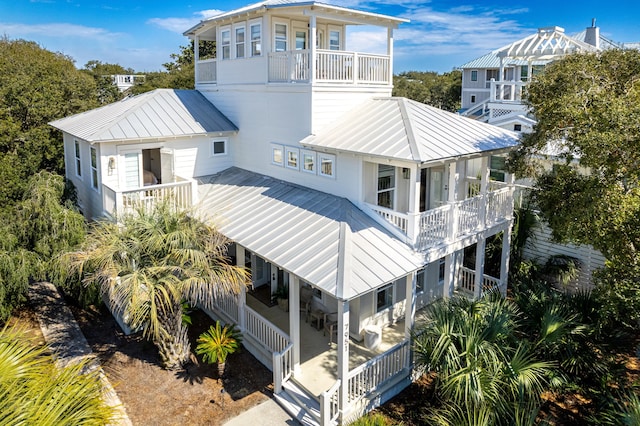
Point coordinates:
[[161, 113], [323, 239], [404, 129], [546, 44]]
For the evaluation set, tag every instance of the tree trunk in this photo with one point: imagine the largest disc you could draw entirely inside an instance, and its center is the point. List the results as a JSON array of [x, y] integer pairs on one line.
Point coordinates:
[[221, 366], [174, 347]]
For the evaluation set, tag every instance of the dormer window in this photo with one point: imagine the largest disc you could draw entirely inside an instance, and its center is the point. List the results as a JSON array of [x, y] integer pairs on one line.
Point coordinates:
[[280, 42], [225, 43]]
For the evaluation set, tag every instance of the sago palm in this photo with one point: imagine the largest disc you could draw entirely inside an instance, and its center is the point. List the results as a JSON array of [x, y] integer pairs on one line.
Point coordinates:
[[152, 261], [217, 343]]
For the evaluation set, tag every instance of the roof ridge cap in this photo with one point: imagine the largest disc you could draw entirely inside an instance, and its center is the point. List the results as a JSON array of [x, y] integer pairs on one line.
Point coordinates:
[[408, 126]]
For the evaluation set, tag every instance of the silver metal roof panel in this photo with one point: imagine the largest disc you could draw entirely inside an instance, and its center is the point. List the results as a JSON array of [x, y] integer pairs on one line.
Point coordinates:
[[305, 232]]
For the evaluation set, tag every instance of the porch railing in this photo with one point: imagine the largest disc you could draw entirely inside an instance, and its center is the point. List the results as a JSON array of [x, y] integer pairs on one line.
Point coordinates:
[[467, 280], [228, 304], [181, 194], [282, 367], [332, 66], [452, 220], [261, 329], [506, 91], [330, 404], [369, 376]]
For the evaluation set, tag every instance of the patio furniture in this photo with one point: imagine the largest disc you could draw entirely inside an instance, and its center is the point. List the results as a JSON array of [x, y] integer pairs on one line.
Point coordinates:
[[331, 326], [372, 337], [317, 315], [306, 297]]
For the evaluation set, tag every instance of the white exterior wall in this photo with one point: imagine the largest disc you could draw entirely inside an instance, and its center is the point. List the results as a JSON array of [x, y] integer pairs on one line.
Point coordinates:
[[89, 199]]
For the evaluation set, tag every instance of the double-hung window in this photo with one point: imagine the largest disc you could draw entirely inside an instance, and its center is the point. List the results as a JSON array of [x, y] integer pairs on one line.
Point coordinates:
[[94, 169], [334, 40], [256, 39], [225, 43], [327, 164], [386, 185], [280, 33], [78, 160], [239, 42], [474, 75], [384, 298]]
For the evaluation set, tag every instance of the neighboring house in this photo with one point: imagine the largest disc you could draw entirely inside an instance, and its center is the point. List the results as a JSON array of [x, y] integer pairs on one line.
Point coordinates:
[[126, 81], [361, 205], [492, 88]]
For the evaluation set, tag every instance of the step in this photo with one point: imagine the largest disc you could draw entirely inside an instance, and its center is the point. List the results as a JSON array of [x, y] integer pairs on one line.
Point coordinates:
[[302, 406]]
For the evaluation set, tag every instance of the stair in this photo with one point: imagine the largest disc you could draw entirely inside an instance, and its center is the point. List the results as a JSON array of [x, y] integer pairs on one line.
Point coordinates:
[[301, 405]]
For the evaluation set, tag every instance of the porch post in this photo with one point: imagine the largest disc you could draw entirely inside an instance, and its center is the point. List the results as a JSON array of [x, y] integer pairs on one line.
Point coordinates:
[[313, 37], [410, 304], [390, 53], [413, 225], [453, 196], [479, 272], [196, 56], [242, 298], [484, 180], [449, 275], [343, 354], [294, 320]]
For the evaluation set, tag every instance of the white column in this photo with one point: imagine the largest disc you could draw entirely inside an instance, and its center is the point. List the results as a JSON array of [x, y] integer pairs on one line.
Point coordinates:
[[343, 352], [413, 226], [390, 52], [410, 304], [196, 56], [484, 181], [294, 320], [313, 36], [242, 298], [479, 270], [449, 275]]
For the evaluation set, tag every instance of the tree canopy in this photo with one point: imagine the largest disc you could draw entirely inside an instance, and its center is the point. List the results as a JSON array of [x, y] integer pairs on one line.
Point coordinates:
[[438, 90], [587, 108]]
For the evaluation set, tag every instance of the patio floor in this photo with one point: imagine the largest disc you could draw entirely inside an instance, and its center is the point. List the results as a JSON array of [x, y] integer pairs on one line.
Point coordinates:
[[318, 358]]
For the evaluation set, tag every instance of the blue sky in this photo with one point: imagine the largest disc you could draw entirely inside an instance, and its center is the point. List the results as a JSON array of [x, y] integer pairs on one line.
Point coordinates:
[[441, 35]]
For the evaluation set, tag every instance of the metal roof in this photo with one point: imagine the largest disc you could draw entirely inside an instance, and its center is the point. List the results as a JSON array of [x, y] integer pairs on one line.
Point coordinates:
[[343, 13], [161, 113], [323, 239], [491, 60], [403, 129]]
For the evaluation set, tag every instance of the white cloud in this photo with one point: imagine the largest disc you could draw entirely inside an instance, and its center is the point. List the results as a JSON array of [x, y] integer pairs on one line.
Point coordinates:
[[180, 25], [56, 30]]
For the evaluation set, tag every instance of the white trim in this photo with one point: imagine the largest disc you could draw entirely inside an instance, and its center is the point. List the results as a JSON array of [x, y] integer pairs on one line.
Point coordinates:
[[330, 157], [213, 143], [259, 47], [314, 161], [77, 154], [95, 173], [228, 44], [292, 155], [274, 149], [276, 23]]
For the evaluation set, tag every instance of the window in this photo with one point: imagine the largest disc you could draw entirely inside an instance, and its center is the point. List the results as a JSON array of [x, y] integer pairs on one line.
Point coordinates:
[[421, 276], [94, 169], [474, 75], [277, 154], [524, 73], [240, 42], [497, 168], [327, 165], [292, 158], [334, 40], [441, 269], [517, 127], [384, 298], [219, 147], [78, 161], [280, 31], [301, 40], [256, 39], [225, 43], [492, 74], [386, 185], [309, 162], [473, 99]]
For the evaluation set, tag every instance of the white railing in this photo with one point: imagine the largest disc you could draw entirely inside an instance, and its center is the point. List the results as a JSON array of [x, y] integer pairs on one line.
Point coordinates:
[[229, 305], [282, 368], [506, 91], [181, 194], [332, 66], [467, 279], [499, 204], [468, 214], [330, 404], [264, 332], [400, 220], [207, 71], [367, 377], [290, 66], [434, 226]]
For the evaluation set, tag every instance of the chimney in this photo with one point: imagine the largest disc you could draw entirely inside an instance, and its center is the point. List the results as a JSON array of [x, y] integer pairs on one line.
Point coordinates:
[[592, 35]]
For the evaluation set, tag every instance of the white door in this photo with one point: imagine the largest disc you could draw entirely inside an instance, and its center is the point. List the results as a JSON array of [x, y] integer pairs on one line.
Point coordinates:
[[437, 191], [132, 176]]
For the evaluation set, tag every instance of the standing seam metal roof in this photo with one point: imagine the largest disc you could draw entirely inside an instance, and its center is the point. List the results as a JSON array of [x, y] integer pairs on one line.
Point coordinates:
[[306, 232], [403, 129], [161, 113]]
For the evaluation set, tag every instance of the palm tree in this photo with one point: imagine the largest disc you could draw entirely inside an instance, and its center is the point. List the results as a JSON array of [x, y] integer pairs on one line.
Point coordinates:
[[148, 263], [217, 343], [484, 375], [34, 390]]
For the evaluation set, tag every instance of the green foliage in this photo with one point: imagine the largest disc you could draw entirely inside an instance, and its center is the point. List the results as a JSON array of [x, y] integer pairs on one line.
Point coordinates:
[[148, 264], [373, 419], [484, 375], [107, 90], [588, 105], [36, 391], [217, 343], [36, 87], [438, 90]]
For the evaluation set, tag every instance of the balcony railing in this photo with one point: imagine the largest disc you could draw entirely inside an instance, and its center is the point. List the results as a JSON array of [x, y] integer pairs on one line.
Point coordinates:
[[331, 67], [207, 71], [467, 282], [507, 91], [452, 220], [117, 202]]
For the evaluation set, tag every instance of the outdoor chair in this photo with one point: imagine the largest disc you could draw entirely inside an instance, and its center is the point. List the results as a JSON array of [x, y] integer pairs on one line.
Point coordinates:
[[306, 297], [331, 326]]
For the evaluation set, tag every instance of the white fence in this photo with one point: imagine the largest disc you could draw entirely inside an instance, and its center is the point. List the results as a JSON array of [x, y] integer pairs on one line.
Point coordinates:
[[263, 331]]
